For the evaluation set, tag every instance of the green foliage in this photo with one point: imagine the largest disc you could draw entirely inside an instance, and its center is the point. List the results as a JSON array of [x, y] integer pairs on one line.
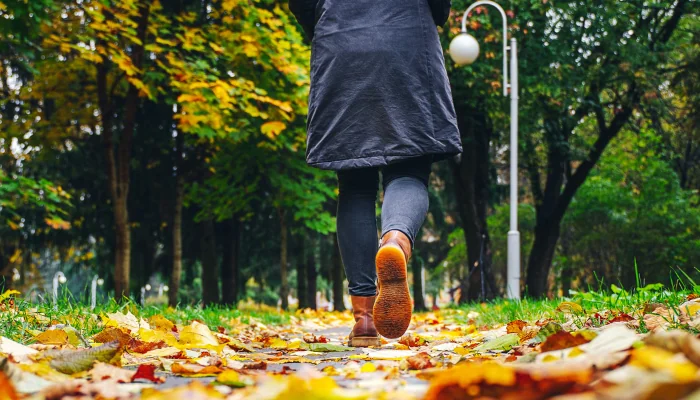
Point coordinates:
[[632, 210], [24, 201]]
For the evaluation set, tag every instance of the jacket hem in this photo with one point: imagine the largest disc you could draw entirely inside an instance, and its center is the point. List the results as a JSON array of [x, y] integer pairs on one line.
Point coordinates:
[[377, 161]]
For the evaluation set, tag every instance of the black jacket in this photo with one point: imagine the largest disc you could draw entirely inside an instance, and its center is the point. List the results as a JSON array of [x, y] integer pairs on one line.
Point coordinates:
[[305, 11], [379, 89]]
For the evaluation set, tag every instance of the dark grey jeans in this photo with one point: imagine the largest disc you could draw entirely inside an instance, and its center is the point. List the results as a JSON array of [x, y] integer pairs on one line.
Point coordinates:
[[405, 207]]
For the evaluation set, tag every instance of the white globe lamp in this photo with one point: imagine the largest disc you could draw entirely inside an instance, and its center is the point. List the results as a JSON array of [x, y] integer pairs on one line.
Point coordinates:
[[464, 49]]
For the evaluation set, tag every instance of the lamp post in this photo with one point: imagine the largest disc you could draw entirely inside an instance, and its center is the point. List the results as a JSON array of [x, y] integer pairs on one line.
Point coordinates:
[[96, 281], [464, 49], [58, 277]]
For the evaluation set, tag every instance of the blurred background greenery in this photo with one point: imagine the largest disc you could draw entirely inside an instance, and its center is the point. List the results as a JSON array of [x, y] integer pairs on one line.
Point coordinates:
[[161, 145]]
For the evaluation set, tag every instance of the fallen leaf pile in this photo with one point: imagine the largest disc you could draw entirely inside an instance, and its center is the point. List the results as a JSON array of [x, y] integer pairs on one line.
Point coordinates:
[[573, 353]]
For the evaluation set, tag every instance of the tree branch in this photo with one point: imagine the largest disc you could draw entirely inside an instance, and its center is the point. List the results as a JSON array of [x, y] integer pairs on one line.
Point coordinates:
[[604, 138]]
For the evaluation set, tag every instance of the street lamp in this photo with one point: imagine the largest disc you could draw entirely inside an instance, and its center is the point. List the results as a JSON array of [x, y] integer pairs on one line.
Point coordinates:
[[59, 277], [464, 49], [96, 281]]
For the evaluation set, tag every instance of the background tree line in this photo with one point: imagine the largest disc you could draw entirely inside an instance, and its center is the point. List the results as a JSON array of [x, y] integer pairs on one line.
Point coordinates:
[[142, 139]]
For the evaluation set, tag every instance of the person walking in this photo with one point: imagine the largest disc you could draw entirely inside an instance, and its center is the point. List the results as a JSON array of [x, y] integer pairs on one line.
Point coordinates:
[[380, 101]]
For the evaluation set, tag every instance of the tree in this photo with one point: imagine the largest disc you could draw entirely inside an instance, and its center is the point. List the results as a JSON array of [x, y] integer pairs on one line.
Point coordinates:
[[598, 66]]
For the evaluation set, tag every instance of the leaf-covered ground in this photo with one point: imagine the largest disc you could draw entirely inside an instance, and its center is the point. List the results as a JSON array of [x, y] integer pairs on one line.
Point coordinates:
[[608, 346]]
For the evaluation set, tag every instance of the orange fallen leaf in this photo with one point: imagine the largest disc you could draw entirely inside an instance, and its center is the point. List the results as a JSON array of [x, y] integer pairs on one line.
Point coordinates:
[[111, 334], [464, 381], [562, 340], [622, 317], [515, 326], [138, 346], [7, 391], [490, 380], [420, 361], [412, 340], [195, 370], [660, 318], [311, 338]]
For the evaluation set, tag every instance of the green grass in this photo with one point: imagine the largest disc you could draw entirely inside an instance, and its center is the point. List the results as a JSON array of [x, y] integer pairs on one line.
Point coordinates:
[[610, 298], [29, 318], [502, 311]]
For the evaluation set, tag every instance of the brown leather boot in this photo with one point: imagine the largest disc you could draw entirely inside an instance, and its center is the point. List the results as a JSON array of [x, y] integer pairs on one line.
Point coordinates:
[[393, 308], [363, 334]]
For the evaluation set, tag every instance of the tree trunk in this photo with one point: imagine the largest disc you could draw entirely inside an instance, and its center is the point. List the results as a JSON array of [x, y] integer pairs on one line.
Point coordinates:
[[284, 284], [176, 273], [471, 175], [541, 255], [230, 274], [301, 273], [418, 299], [118, 155], [561, 187], [311, 272], [337, 274], [208, 257], [122, 250]]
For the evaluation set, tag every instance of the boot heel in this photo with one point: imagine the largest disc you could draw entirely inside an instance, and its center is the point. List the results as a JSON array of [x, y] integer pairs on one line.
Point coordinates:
[[365, 341]]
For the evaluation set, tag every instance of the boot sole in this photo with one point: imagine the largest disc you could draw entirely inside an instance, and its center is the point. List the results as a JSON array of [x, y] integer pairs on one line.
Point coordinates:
[[364, 341], [393, 307]]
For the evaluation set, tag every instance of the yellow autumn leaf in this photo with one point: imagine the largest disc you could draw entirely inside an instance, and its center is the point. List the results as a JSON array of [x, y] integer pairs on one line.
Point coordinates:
[[198, 334], [273, 128], [368, 367], [126, 321], [462, 351], [195, 370], [161, 323], [166, 42], [199, 85], [56, 337], [216, 47], [278, 344], [190, 98], [15, 256], [230, 378], [149, 335], [92, 57], [251, 50], [656, 359], [195, 390], [7, 294], [570, 307], [45, 371], [221, 93]]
